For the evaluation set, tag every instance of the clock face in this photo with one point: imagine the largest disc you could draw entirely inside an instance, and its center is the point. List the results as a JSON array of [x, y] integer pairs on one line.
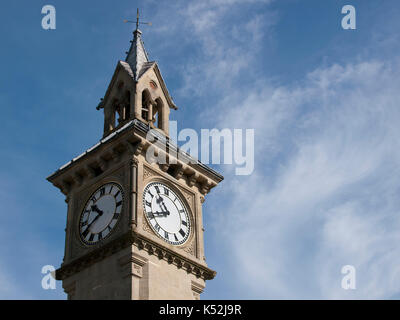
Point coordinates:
[[101, 213], [166, 213]]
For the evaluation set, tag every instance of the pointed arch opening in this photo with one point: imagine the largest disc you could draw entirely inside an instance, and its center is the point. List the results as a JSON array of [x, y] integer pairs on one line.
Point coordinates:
[[159, 114], [146, 105]]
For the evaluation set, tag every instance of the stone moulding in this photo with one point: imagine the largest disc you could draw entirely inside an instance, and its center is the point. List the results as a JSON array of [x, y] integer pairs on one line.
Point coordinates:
[[132, 138], [132, 238]]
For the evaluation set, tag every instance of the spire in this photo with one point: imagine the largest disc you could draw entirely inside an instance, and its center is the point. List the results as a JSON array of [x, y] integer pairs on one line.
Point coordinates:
[[137, 55]]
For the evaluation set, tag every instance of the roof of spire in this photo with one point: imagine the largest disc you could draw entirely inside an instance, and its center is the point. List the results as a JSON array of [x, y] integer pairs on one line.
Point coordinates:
[[137, 57]]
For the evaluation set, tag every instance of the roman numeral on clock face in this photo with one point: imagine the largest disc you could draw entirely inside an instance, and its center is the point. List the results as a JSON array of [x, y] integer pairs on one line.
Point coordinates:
[[150, 215], [104, 206], [167, 215], [85, 233]]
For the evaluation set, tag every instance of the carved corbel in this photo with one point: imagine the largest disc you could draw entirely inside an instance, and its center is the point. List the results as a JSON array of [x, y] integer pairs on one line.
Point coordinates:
[[179, 172], [78, 179], [90, 171], [164, 167], [102, 163], [116, 155], [178, 263], [187, 267], [66, 187], [205, 187], [140, 147], [159, 253], [169, 258], [192, 179]]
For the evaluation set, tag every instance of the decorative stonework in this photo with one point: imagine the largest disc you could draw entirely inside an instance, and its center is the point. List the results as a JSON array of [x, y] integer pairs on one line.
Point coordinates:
[[142, 243], [147, 173], [119, 261], [189, 197], [190, 247], [132, 265], [146, 226], [77, 248], [197, 289]]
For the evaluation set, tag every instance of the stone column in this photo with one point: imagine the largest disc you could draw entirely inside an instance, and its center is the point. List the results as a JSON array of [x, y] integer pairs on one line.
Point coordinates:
[[133, 192], [134, 105]]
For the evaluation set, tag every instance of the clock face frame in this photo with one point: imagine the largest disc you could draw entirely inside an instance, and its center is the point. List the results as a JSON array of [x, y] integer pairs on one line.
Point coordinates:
[[101, 213], [166, 213]]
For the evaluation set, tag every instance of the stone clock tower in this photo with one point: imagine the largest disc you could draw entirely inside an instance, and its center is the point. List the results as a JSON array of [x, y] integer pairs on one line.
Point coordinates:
[[134, 226]]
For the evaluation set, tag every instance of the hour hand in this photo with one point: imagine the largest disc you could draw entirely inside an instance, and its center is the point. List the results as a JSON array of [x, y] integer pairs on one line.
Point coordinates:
[[162, 205], [96, 209], [161, 213]]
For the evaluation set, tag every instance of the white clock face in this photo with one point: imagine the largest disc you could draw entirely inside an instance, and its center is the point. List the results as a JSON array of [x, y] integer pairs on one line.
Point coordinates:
[[166, 213], [101, 213]]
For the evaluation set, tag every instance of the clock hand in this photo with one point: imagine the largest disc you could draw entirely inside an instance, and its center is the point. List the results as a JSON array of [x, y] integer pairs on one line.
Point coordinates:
[[163, 213], [100, 213], [162, 205], [96, 209]]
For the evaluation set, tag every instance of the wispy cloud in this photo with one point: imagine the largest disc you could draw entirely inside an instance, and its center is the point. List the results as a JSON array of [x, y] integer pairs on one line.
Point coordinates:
[[323, 194], [331, 198]]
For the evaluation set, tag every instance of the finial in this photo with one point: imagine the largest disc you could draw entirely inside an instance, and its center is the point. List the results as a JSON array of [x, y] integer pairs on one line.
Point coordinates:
[[138, 22], [137, 19]]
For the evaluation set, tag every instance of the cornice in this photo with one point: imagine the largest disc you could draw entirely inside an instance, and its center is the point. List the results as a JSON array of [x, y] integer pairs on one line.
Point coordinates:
[[131, 139], [142, 243]]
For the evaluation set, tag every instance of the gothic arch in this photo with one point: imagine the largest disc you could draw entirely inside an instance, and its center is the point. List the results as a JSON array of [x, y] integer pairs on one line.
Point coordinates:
[[146, 111], [159, 107]]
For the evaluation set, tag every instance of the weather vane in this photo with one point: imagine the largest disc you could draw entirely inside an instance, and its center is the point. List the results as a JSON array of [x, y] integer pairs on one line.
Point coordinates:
[[137, 21]]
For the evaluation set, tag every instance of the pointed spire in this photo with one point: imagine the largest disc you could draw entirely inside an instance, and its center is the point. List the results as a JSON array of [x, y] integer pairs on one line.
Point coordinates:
[[137, 55]]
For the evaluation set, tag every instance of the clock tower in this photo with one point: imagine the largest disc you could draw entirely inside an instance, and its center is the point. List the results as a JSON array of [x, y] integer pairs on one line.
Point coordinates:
[[134, 226]]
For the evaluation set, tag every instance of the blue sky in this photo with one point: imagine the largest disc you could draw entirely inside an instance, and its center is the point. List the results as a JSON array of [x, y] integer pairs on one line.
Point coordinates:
[[323, 101]]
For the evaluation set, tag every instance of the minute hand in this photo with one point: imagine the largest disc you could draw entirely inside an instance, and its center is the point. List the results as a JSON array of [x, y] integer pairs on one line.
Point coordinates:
[[160, 201], [100, 213], [161, 213]]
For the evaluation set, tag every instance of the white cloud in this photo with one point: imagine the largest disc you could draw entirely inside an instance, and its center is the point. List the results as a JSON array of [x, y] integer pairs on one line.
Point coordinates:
[[325, 190], [329, 201]]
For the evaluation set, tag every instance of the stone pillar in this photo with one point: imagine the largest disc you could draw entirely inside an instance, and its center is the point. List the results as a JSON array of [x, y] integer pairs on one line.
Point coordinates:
[[138, 105], [165, 118], [150, 112], [200, 228], [133, 192], [109, 119], [135, 112]]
